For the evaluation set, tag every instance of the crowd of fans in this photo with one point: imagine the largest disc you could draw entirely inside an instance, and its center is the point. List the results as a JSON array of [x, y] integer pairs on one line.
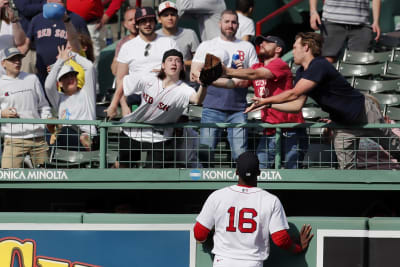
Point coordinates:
[[50, 63]]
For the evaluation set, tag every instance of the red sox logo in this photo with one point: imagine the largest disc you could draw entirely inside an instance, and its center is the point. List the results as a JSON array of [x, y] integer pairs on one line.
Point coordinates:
[[260, 86], [241, 55]]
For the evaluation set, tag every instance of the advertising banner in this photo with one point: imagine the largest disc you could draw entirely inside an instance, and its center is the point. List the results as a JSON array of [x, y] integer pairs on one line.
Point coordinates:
[[96, 245]]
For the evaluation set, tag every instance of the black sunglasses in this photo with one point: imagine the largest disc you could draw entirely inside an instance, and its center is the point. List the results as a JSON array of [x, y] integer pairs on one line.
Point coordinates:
[[146, 49]]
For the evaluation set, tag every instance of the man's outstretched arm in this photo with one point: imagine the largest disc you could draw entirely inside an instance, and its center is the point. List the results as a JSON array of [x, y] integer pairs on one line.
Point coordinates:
[[248, 74], [302, 87]]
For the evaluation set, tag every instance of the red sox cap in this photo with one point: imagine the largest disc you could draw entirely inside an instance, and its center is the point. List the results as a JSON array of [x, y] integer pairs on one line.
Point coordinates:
[[166, 5], [144, 13], [247, 165]]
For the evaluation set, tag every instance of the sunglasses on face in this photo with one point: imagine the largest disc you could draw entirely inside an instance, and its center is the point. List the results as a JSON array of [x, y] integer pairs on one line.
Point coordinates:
[[146, 49]]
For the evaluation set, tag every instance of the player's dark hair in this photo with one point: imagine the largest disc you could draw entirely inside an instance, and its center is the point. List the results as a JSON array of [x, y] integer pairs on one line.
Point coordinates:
[[313, 40], [244, 5], [230, 12]]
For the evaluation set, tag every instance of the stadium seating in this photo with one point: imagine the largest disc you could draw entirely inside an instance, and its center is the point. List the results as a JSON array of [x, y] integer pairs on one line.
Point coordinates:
[[377, 86], [392, 69], [61, 158], [356, 57], [349, 70], [393, 113]]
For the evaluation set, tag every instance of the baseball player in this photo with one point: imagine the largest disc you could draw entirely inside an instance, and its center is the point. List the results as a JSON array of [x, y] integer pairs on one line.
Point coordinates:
[[244, 216], [163, 100]]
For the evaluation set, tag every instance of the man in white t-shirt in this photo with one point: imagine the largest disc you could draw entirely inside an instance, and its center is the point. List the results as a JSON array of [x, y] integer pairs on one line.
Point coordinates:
[[164, 98], [243, 217], [244, 9], [221, 105], [140, 56]]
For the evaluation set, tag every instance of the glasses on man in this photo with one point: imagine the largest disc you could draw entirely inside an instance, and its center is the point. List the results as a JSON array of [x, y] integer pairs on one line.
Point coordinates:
[[147, 49]]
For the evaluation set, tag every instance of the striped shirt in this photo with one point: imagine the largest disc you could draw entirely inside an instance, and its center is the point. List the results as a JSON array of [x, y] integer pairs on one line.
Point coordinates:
[[353, 12]]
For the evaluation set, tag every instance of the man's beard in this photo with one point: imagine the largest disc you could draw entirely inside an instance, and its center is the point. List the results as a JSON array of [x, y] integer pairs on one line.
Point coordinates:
[[265, 55], [228, 35], [145, 33]]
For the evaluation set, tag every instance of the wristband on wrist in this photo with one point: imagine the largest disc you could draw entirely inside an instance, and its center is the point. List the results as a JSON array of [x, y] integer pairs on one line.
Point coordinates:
[[269, 105]]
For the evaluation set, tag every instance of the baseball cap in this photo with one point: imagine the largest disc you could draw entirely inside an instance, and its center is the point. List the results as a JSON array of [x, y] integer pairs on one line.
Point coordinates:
[[271, 39], [10, 52], [64, 70], [247, 165], [144, 13], [165, 5], [172, 52], [53, 11]]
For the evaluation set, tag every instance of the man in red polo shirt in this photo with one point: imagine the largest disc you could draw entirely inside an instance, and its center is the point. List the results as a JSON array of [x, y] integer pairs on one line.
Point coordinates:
[[92, 11]]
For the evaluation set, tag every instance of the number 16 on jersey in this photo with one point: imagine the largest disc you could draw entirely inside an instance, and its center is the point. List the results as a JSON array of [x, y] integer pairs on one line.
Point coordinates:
[[246, 222]]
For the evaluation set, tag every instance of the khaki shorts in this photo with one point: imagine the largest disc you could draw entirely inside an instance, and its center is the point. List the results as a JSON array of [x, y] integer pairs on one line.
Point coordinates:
[[15, 150]]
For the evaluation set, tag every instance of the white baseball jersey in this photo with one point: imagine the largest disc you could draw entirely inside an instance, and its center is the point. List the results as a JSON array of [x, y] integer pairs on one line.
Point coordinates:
[[133, 53], [25, 94], [159, 106], [243, 218]]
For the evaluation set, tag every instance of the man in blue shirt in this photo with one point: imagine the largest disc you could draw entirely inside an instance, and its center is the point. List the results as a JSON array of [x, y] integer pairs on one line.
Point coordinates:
[[48, 34], [318, 79], [220, 104]]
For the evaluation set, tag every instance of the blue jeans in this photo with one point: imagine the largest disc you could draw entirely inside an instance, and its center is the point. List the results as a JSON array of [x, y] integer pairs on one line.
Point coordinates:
[[293, 148], [237, 137]]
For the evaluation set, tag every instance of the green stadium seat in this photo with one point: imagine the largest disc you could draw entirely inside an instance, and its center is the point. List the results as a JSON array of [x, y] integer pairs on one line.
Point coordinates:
[[255, 115], [249, 96], [392, 69], [377, 86], [387, 100], [195, 112], [349, 70], [356, 57], [61, 158], [314, 113], [393, 113], [294, 68]]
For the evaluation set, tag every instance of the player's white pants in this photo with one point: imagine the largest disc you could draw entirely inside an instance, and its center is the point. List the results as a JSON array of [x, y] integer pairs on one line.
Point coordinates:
[[220, 261]]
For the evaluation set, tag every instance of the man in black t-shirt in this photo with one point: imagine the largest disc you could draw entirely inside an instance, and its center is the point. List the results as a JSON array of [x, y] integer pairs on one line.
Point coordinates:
[[318, 79]]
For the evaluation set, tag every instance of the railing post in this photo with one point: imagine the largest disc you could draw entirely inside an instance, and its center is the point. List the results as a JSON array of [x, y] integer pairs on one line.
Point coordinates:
[[278, 148], [103, 147]]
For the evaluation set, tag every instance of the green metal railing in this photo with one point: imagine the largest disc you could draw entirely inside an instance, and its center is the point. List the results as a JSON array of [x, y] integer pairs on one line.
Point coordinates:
[[109, 130]]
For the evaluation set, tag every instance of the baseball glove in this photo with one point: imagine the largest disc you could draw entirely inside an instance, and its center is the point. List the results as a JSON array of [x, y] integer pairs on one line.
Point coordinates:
[[211, 71]]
